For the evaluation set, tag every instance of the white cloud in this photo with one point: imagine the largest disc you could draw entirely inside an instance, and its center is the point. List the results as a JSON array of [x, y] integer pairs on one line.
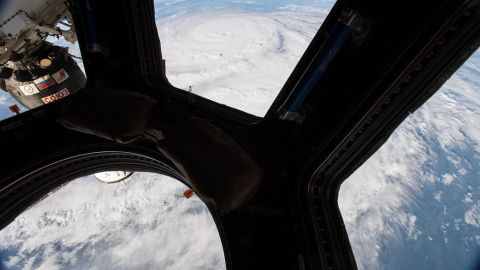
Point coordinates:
[[472, 216], [438, 195], [468, 198], [448, 178], [412, 230]]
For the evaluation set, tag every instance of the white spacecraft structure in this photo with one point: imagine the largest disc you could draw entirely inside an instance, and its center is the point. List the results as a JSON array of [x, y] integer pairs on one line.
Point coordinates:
[[33, 70]]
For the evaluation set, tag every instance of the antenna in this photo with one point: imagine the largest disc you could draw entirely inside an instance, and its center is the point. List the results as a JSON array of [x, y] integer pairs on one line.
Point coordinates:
[[113, 176]]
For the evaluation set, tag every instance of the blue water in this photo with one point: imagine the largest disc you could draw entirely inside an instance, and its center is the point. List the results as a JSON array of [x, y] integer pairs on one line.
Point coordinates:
[[167, 8]]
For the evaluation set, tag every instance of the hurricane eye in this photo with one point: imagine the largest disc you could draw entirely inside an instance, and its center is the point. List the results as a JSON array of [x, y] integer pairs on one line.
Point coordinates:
[[236, 53]]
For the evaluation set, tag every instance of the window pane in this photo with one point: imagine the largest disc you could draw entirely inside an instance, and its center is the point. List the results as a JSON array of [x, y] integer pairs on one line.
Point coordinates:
[[37, 63], [239, 53], [415, 204], [144, 222]]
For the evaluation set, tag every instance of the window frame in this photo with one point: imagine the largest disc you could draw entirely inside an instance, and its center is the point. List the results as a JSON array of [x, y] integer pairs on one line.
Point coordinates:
[[32, 182], [358, 141]]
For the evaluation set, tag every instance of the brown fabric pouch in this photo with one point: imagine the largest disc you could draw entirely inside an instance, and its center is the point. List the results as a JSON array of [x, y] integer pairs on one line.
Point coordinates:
[[215, 165]]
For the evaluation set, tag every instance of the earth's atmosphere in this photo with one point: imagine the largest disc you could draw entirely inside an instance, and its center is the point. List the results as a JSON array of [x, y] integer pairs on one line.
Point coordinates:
[[414, 205]]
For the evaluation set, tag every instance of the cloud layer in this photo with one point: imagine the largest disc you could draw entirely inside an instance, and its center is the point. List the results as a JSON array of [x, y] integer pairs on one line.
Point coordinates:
[[143, 223], [241, 59], [416, 201]]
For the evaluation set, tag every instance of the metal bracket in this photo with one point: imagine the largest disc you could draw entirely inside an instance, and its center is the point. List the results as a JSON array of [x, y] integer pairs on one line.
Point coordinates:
[[349, 23]]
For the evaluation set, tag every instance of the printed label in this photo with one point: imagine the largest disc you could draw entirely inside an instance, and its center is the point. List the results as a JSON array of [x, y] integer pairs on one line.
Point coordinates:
[[60, 94], [60, 76], [28, 89]]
